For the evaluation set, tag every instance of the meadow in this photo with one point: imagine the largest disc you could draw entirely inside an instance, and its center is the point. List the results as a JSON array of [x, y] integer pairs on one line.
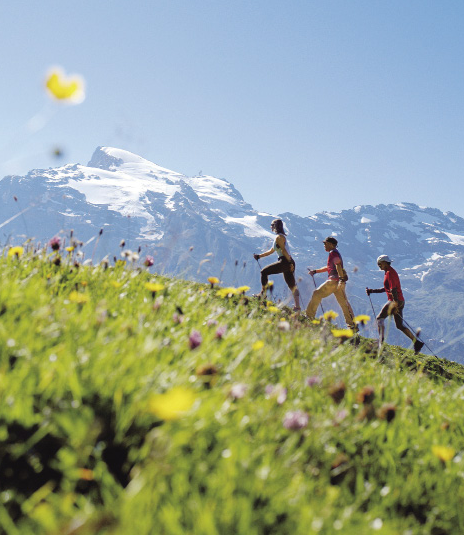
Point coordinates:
[[136, 403]]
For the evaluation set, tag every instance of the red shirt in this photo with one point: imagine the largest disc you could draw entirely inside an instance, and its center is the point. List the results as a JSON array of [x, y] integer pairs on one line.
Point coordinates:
[[334, 259], [390, 281]]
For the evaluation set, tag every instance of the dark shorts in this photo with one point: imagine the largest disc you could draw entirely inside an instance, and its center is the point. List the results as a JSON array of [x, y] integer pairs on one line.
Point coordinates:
[[281, 266], [397, 316]]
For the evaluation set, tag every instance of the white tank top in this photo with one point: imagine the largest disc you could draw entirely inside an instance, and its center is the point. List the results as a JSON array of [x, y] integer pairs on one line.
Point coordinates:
[[277, 249]]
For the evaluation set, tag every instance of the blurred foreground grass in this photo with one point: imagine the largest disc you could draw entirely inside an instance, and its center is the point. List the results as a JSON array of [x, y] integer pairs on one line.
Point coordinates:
[[133, 403]]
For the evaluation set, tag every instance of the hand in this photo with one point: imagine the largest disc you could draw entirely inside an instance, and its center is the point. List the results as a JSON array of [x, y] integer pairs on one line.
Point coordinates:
[[256, 256], [312, 272], [368, 291], [343, 279]]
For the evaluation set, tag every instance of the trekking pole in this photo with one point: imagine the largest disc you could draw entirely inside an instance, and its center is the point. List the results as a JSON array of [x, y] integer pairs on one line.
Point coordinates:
[[372, 306], [259, 263], [315, 286], [414, 331]]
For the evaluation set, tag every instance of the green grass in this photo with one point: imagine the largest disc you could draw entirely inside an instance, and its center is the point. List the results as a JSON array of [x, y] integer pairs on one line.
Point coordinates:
[[83, 449]]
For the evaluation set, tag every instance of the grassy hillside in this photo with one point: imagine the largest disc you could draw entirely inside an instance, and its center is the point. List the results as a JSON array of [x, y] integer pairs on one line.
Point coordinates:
[[133, 403]]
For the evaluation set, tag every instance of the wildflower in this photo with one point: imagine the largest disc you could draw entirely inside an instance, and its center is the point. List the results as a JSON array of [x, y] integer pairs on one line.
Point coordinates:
[[208, 374], [270, 285], [316, 322], [149, 261], [86, 474], [340, 416], [15, 251], [242, 289], [330, 315], [276, 391], [84, 283], [283, 326], [154, 287], [313, 381], [387, 412], [221, 331], [173, 404], [342, 334], [213, 281], [122, 244], [177, 318], [238, 390], [296, 420], [211, 322], [273, 309], [195, 339], [444, 453], [227, 292], [116, 284], [362, 319], [337, 392], [78, 297], [60, 87], [70, 249], [366, 395], [257, 345], [55, 243]]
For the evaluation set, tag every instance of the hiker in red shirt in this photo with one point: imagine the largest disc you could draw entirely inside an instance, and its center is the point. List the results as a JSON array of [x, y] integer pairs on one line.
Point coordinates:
[[395, 304]]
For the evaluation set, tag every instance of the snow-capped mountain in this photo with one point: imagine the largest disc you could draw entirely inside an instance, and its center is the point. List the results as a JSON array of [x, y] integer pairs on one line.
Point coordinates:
[[200, 226]]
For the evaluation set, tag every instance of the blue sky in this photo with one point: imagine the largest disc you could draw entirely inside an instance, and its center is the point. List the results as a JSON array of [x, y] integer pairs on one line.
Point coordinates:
[[304, 106]]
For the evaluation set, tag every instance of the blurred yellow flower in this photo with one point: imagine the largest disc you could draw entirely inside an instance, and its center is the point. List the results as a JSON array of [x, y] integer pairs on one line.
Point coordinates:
[[84, 283], [15, 251], [273, 309], [330, 315], [63, 88], [270, 284], [213, 280], [343, 333], [444, 453], [257, 345], [227, 292], [242, 289], [173, 404], [361, 319], [116, 284], [154, 286], [70, 249], [78, 297], [316, 322]]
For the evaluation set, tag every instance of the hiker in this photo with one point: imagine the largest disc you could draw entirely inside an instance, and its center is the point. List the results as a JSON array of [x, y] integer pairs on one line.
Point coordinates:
[[285, 264], [335, 284], [395, 303]]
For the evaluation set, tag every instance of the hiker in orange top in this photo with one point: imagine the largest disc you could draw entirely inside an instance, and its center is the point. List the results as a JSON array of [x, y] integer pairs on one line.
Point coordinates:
[[395, 304], [334, 285]]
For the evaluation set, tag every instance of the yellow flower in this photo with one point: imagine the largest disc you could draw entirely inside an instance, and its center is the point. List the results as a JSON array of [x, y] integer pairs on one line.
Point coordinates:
[[70, 249], [270, 284], [63, 88], [342, 333], [257, 345], [84, 283], [330, 315], [173, 404], [361, 319], [316, 322], [116, 284], [227, 292], [78, 297], [273, 309], [15, 251], [242, 289], [213, 280], [154, 286], [444, 453]]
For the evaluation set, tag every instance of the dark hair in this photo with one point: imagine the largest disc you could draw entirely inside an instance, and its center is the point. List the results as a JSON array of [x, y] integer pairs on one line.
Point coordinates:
[[331, 240], [279, 226]]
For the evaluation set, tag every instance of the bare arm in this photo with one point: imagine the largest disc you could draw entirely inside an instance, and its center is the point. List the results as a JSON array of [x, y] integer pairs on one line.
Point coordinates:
[[267, 253]]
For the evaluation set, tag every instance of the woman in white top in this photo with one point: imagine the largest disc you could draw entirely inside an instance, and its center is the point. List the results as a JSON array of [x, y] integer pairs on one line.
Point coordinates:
[[285, 264]]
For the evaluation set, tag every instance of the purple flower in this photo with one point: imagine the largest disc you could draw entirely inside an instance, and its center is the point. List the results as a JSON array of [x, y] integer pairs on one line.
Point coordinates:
[[195, 339], [296, 420], [313, 381], [221, 331], [211, 322], [149, 261], [177, 318], [55, 243], [238, 390]]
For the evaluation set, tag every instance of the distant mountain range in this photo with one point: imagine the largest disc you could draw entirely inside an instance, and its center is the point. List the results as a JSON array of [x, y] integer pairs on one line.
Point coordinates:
[[199, 226]]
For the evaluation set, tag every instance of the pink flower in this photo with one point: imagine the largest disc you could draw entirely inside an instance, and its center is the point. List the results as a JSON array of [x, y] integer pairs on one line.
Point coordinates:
[[55, 243], [211, 322], [238, 390], [195, 339], [296, 420], [221, 331], [177, 318], [149, 261], [313, 381], [278, 392]]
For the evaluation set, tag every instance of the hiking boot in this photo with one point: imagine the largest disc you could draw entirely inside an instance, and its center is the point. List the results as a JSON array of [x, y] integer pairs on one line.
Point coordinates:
[[418, 345]]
